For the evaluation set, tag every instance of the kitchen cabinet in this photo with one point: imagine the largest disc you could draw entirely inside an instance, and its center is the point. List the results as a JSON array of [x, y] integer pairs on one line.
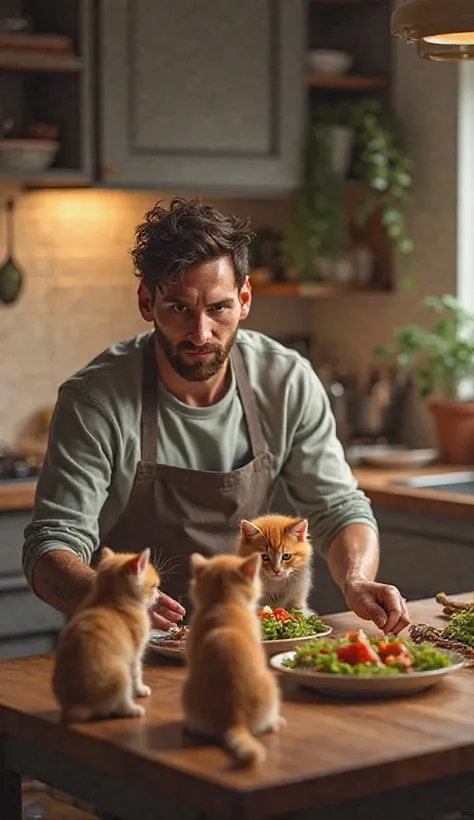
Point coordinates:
[[423, 554], [46, 80], [202, 96], [27, 625]]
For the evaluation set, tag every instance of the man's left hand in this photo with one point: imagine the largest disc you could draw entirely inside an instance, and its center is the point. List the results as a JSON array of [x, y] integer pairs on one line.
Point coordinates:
[[381, 603]]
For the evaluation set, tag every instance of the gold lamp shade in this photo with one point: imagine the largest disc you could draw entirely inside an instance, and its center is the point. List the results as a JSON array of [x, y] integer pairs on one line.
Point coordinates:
[[444, 23], [442, 53]]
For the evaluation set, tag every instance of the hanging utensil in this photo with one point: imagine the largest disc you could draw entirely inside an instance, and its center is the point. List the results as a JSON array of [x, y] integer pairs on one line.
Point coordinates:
[[11, 275]]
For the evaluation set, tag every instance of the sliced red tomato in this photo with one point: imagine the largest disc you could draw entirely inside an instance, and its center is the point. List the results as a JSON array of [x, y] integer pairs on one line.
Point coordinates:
[[282, 615], [393, 648], [357, 652]]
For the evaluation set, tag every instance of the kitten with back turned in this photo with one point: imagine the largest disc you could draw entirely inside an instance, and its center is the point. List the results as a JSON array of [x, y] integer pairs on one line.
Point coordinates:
[[229, 694], [286, 552], [98, 663]]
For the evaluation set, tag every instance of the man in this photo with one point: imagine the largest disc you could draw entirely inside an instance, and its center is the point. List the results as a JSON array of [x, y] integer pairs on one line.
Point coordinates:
[[169, 439]]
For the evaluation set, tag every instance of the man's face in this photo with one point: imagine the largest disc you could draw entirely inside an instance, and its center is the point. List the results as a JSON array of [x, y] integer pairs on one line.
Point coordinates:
[[196, 319]]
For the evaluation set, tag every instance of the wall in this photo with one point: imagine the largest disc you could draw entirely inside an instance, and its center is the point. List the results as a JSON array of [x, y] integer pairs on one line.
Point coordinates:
[[79, 292]]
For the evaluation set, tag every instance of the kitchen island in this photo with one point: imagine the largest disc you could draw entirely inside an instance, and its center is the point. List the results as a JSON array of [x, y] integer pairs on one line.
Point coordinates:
[[407, 757]]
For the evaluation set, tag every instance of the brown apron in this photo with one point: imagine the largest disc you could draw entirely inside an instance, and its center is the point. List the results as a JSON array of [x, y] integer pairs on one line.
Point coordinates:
[[177, 511]]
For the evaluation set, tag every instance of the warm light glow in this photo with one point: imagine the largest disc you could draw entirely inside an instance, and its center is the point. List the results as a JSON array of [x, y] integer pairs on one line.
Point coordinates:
[[444, 53], [456, 39]]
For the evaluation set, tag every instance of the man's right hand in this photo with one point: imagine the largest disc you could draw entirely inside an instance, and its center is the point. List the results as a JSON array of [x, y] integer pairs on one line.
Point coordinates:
[[167, 612]]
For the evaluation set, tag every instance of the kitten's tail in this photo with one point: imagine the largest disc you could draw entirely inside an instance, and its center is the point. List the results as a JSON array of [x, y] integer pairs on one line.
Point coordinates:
[[246, 749], [76, 714]]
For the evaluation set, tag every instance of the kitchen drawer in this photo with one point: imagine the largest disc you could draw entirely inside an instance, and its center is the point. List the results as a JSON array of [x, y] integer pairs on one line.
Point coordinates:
[[22, 613], [12, 527]]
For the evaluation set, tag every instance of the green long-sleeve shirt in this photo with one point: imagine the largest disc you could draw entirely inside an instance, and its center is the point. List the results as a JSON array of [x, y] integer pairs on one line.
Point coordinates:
[[94, 446]]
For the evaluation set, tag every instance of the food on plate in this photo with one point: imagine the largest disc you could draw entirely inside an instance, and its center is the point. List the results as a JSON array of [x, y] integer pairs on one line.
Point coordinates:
[[450, 606], [174, 638], [457, 635], [280, 624], [356, 653], [276, 624]]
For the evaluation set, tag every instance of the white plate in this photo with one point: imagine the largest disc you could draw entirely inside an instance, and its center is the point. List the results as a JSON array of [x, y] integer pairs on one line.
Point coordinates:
[[284, 645], [366, 686], [170, 650], [399, 457], [271, 647]]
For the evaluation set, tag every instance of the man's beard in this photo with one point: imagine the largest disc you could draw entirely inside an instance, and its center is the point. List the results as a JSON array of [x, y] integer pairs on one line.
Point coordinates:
[[202, 369]]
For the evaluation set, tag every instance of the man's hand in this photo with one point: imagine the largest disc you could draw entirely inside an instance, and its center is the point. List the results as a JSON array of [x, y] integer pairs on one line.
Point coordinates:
[[380, 603], [167, 612]]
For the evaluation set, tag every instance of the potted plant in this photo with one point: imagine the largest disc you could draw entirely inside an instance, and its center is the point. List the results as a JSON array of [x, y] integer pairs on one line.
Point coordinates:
[[441, 361], [318, 224]]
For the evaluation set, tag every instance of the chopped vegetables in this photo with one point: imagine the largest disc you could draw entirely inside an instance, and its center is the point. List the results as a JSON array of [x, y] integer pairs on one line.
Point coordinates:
[[461, 627], [278, 624], [357, 654]]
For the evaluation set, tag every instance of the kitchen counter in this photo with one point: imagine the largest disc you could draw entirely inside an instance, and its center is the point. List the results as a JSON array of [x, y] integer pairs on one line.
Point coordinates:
[[379, 486], [336, 758], [17, 495]]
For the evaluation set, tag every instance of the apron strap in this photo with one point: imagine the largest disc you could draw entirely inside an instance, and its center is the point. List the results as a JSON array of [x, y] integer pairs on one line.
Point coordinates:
[[249, 403], [149, 417]]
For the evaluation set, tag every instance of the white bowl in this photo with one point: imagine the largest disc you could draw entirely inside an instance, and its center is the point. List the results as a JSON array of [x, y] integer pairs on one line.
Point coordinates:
[[27, 154], [329, 62], [367, 686]]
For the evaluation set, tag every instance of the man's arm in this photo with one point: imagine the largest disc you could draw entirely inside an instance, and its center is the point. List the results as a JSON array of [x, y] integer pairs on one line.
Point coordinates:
[[72, 489], [343, 527], [62, 580], [353, 560]]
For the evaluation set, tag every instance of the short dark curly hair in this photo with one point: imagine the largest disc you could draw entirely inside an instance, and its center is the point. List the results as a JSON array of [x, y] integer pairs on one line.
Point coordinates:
[[170, 241]]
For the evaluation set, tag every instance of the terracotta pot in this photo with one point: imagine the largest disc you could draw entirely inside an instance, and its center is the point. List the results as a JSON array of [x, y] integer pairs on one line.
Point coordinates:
[[454, 423]]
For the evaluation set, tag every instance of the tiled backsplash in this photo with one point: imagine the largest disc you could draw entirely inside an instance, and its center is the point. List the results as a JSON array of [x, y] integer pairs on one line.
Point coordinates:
[[79, 292]]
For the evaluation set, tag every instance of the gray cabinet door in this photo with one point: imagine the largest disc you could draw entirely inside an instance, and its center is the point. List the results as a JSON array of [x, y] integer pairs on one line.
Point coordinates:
[[202, 96]]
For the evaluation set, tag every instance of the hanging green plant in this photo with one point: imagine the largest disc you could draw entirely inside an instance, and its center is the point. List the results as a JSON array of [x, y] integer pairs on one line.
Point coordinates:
[[384, 167], [318, 224], [317, 227]]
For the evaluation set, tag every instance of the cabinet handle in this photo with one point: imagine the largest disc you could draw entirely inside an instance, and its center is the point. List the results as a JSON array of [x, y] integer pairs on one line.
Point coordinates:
[[109, 170]]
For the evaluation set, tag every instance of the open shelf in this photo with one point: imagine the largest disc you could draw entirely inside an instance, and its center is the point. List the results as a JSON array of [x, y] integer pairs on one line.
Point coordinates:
[[312, 290], [30, 52], [348, 82]]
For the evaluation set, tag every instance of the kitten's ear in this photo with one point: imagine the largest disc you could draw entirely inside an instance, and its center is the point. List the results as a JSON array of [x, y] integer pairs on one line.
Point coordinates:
[[249, 530], [251, 566], [299, 530], [198, 562], [105, 554], [138, 564]]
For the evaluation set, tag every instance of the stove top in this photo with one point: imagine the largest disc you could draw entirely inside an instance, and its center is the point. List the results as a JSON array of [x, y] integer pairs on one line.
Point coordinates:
[[17, 468]]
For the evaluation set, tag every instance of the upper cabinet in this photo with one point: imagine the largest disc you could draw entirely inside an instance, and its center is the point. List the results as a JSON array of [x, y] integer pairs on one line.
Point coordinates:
[[206, 96]]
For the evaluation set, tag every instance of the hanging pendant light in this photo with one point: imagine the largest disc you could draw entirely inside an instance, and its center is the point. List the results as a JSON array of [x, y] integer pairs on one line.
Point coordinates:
[[444, 23], [444, 53]]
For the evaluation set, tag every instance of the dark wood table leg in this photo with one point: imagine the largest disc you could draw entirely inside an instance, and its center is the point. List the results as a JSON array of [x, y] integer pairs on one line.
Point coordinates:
[[10, 790]]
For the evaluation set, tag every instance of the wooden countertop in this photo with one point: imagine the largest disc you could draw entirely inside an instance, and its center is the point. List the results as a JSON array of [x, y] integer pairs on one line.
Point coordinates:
[[331, 750], [379, 486], [376, 483], [17, 495]]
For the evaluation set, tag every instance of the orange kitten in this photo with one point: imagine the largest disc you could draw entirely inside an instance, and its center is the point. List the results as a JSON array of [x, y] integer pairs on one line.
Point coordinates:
[[229, 693], [98, 666], [286, 558]]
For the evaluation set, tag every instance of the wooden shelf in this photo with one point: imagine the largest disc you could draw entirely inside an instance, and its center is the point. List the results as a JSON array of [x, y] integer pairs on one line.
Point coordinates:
[[33, 52], [311, 290], [349, 2], [348, 82], [49, 178]]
